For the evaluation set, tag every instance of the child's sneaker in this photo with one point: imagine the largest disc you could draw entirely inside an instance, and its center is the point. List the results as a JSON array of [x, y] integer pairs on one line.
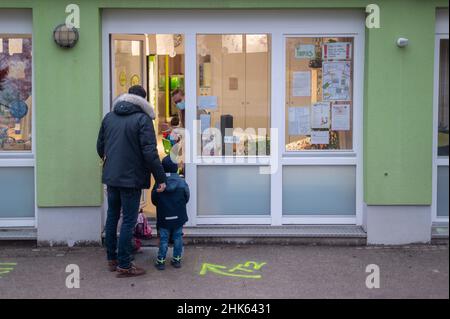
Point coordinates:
[[160, 264], [176, 262]]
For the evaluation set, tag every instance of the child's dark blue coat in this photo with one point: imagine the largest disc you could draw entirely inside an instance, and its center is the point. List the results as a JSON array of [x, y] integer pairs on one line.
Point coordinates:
[[171, 204]]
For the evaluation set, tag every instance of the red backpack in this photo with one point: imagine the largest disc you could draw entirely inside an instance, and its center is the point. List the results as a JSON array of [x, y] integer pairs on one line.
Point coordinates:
[[142, 230]]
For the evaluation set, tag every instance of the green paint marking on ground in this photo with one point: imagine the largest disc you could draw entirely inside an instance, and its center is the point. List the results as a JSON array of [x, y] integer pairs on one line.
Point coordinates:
[[240, 270], [6, 268]]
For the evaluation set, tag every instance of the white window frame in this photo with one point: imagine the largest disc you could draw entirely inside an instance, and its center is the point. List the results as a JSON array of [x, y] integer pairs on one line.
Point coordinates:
[[351, 157], [305, 22], [19, 22], [442, 32]]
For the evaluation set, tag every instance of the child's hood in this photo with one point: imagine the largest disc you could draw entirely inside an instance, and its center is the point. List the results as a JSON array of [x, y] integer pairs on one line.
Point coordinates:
[[174, 181]]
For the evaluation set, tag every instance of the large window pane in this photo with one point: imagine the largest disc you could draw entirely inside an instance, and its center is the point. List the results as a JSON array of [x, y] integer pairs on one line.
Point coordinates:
[[128, 66], [443, 128], [16, 192], [15, 93], [232, 190], [319, 93], [233, 89], [442, 191], [319, 190]]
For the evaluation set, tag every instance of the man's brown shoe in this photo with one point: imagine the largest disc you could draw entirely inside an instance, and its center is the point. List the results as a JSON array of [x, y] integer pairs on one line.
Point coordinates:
[[112, 265], [133, 271]]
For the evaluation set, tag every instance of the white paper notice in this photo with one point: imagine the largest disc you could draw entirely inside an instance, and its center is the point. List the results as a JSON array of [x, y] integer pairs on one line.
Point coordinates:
[[205, 121], [320, 117], [336, 81], [320, 137], [340, 117], [301, 83], [207, 102], [337, 51], [299, 121]]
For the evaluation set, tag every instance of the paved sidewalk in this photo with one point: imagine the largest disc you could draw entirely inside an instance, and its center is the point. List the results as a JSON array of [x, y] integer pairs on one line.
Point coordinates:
[[278, 272]]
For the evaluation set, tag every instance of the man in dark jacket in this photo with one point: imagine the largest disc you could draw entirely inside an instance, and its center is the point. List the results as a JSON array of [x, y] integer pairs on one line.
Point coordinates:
[[171, 214], [127, 145]]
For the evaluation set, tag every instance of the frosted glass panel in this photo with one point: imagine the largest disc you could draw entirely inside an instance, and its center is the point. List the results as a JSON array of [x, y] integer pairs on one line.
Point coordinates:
[[442, 191], [319, 190], [233, 190], [16, 192]]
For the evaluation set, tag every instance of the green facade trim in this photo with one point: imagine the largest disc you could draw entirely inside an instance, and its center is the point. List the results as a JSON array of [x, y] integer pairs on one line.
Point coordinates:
[[398, 96]]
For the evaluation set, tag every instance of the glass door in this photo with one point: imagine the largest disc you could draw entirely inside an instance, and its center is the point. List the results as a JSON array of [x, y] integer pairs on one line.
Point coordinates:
[[156, 62], [320, 178], [441, 132]]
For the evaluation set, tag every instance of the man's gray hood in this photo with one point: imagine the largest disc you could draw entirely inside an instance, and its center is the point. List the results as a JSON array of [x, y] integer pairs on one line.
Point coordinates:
[[126, 104]]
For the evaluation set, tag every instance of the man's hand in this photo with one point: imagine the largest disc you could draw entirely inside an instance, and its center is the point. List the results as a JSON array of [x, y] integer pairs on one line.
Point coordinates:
[[161, 188]]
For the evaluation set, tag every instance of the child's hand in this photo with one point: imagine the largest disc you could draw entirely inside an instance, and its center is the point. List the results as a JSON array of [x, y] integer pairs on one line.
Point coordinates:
[[161, 188]]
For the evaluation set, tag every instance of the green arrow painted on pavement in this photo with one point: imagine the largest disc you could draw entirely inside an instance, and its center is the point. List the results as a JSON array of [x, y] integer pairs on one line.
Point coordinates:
[[218, 269], [6, 268]]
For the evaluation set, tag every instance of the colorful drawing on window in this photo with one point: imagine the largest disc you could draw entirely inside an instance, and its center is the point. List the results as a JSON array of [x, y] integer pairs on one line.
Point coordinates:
[[14, 86], [336, 81], [123, 78], [18, 109], [135, 80], [15, 94]]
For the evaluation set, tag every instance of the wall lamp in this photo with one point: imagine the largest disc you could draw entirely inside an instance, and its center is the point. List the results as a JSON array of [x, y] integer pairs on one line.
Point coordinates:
[[402, 42], [65, 37]]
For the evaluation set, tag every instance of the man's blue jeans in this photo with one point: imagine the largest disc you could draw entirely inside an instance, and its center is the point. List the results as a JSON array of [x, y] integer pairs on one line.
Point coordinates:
[[127, 199], [164, 236]]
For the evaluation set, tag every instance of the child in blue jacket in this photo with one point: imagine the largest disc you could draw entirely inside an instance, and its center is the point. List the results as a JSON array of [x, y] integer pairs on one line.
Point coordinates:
[[171, 214]]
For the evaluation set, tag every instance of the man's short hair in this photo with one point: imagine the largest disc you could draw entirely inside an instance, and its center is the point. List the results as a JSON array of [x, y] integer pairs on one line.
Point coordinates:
[[138, 90], [175, 121], [176, 91]]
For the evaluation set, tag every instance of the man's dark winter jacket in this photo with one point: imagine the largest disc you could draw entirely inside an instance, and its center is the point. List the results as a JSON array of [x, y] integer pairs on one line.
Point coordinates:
[[127, 144], [171, 204]]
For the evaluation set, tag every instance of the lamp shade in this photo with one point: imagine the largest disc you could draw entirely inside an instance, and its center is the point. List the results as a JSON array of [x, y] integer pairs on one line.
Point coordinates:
[[65, 37]]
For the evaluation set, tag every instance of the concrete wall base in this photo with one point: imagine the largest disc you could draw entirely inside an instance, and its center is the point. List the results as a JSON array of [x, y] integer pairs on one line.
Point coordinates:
[[71, 226], [398, 225], [283, 241]]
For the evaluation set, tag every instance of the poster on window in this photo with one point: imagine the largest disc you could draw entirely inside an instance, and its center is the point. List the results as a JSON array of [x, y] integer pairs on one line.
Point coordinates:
[[336, 81], [320, 137], [299, 121], [320, 117], [301, 84], [305, 51], [340, 117], [337, 51], [207, 102], [205, 122]]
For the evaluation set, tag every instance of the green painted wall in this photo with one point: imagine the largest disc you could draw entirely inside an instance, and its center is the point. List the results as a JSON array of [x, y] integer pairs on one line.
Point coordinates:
[[68, 102], [399, 105], [398, 97]]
